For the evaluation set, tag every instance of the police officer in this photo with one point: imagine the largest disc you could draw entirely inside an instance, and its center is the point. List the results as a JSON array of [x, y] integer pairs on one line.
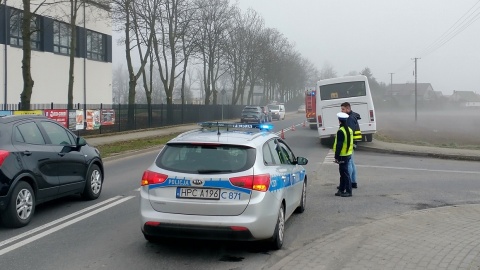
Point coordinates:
[[352, 122], [343, 148]]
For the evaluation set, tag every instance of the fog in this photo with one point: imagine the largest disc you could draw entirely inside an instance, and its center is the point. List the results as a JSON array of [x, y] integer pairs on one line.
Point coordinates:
[[449, 127], [384, 36]]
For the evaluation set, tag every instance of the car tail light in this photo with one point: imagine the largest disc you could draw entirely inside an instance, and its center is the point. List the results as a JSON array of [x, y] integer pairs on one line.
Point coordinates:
[[152, 223], [238, 228], [319, 119], [259, 182], [152, 178], [3, 155], [371, 116]]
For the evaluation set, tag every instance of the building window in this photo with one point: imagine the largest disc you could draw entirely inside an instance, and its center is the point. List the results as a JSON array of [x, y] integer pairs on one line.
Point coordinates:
[[16, 29], [61, 37], [95, 46]]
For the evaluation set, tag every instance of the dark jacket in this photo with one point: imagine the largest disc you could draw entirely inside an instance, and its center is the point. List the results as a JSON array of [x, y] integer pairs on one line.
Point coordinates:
[[352, 122]]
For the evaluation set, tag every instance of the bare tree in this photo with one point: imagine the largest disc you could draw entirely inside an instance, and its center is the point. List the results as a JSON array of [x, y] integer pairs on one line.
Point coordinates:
[[28, 20], [327, 71], [127, 20], [214, 22]]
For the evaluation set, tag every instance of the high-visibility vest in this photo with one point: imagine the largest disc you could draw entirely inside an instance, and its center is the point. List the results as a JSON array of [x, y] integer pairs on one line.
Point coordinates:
[[345, 151], [357, 135]]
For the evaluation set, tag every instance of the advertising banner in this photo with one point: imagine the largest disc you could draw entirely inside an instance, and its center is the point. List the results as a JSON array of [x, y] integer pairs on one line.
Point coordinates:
[[79, 119], [72, 119], [59, 115], [93, 119], [5, 113], [108, 117], [33, 112]]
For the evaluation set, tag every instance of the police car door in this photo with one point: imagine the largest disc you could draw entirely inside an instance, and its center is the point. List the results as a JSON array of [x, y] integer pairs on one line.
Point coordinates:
[[289, 177]]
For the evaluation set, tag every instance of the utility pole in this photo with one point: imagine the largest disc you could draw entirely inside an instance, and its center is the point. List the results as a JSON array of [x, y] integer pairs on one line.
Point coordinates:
[[391, 82], [416, 87]]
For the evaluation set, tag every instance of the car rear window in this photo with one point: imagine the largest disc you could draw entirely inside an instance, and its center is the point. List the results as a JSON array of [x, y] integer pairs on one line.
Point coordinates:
[[251, 109], [206, 158], [273, 107]]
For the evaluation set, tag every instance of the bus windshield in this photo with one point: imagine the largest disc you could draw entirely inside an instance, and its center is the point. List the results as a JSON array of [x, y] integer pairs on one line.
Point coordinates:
[[343, 90]]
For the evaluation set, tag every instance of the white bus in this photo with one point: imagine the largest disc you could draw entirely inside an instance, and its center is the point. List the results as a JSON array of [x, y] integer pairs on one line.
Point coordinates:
[[332, 93]]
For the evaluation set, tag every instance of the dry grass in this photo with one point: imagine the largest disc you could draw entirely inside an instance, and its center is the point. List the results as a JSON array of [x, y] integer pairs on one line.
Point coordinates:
[[451, 129]]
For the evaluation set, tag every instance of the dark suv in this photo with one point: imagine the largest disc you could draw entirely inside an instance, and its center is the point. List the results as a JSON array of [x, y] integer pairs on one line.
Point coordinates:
[[253, 114], [40, 160]]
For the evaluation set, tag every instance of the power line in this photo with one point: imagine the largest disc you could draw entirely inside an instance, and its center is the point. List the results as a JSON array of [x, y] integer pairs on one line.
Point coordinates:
[[460, 25]]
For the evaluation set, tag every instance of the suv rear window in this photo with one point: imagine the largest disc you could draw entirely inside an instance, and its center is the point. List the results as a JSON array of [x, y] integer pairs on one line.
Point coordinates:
[[206, 158], [251, 109]]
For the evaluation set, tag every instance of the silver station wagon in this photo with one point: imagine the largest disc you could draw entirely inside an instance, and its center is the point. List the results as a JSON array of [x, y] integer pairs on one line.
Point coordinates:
[[224, 181]]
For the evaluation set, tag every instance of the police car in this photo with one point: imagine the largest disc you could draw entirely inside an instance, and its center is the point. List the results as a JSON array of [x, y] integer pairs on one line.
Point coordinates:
[[224, 181]]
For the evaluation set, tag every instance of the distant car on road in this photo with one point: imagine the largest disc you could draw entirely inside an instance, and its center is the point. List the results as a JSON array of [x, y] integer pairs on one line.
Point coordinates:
[[253, 114], [301, 109], [40, 160], [278, 111], [224, 181]]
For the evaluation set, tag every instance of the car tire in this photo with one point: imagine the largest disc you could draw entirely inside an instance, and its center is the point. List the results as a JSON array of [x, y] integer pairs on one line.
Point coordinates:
[[22, 198], [303, 201], [93, 183], [276, 241]]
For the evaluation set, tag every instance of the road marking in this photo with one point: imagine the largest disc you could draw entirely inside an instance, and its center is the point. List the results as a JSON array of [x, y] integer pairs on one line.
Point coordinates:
[[61, 226], [5, 242], [416, 169], [330, 158]]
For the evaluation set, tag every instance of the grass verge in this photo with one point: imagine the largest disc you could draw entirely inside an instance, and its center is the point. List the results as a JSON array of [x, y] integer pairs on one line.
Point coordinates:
[[111, 149], [385, 138]]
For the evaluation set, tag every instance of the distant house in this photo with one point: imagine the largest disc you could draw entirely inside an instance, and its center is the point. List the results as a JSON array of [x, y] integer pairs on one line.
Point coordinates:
[[465, 98], [405, 93]]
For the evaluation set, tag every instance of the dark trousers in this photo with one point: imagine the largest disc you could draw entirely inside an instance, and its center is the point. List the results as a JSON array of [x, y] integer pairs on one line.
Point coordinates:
[[345, 183]]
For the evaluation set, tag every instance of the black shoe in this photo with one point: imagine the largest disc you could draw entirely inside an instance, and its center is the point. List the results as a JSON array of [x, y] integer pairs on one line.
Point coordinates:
[[338, 187], [338, 193], [346, 194], [354, 185]]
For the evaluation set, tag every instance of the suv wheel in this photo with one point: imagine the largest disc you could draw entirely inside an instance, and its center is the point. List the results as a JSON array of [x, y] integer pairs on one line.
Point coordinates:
[[20, 207], [93, 185]]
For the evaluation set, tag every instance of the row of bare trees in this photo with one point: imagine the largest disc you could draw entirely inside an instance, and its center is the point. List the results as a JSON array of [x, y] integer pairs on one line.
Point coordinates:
[[229, 48]]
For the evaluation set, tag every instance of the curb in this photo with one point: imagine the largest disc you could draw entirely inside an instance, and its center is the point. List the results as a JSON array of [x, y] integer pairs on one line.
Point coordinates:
[[419, 154]]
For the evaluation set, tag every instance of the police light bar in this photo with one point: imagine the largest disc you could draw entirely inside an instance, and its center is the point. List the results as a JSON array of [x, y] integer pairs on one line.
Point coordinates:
[[264, 127]]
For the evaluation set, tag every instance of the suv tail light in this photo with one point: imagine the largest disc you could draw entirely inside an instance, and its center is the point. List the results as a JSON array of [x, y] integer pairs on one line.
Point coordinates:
[[3, 155], [152, 178], [319, 119], [371, 116], [260, 182]]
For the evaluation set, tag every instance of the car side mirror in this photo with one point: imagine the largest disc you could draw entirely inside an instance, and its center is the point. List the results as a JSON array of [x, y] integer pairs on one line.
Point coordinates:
[[81, 141], [302, 161]]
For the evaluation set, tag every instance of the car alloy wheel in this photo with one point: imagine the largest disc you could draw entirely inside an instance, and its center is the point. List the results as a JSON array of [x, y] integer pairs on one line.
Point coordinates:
[[303, 201], [21, 206], [276, 241], [93, 185]]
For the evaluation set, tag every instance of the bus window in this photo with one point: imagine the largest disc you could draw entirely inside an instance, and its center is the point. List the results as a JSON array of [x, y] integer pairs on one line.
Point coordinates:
[[343, 90]]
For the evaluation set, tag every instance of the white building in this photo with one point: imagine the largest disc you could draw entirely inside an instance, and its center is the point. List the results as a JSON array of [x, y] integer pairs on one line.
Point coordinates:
[[50, 54]]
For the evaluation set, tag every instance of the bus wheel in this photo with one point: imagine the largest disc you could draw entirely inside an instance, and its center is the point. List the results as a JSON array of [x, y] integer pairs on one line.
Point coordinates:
[[369, 137]]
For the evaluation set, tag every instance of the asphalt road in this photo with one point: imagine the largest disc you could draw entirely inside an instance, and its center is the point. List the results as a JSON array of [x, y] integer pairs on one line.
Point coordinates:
[[105, 234]]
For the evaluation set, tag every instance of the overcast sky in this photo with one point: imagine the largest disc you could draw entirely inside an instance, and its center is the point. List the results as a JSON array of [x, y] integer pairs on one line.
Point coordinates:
[[383, 35]]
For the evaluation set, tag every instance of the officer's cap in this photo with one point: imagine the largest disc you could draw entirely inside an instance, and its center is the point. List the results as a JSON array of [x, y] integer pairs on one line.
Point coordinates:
[[342, 116]]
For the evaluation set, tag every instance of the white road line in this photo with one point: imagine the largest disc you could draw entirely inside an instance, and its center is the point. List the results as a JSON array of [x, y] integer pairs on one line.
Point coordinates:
[[330, 158], [416, 169], [63, 225], [5, 242]]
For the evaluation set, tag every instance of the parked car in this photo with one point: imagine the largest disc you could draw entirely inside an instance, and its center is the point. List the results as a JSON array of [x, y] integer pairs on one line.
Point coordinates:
[[267, 112], [253, 114], [278, 111], [40, 160], [301, 109], [223, 182]]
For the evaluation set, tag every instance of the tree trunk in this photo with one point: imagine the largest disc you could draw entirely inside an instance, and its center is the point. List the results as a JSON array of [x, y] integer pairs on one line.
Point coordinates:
[[28, 82], [73, 45]]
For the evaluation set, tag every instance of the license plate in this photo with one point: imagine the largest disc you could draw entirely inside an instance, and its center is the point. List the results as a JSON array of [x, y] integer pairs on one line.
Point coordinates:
[[198, 193]]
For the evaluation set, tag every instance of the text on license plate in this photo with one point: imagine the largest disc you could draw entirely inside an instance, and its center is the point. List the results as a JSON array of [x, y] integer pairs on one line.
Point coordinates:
[[198, 193]]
